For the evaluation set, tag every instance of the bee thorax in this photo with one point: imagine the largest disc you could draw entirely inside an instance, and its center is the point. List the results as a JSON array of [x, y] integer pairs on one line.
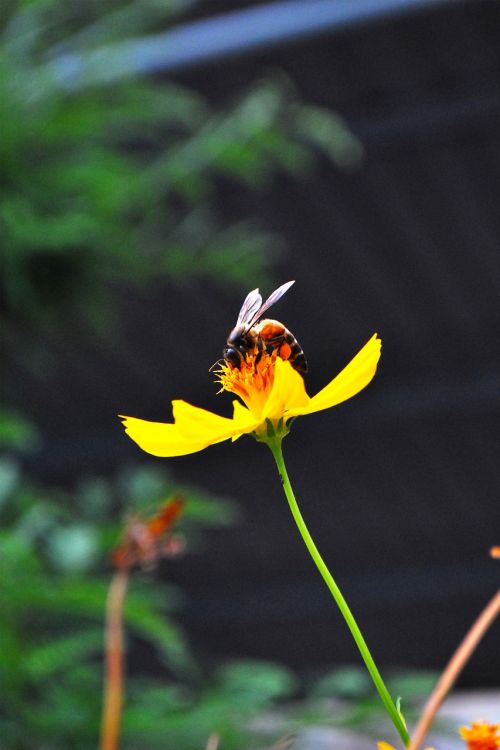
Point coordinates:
[[252, 337]]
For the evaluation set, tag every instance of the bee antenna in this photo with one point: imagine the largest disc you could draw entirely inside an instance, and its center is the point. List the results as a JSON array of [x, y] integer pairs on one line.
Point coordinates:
[[218, 361]]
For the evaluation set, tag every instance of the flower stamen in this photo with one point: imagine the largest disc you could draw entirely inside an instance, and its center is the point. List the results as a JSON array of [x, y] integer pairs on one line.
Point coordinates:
[[252, 381]]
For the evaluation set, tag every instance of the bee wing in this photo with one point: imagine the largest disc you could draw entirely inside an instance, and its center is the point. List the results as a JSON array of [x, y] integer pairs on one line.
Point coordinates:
[[274, 297], [249, 308]]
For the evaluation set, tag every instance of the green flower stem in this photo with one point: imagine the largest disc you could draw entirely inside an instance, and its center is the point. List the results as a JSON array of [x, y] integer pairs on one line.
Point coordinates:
[[275, 446]]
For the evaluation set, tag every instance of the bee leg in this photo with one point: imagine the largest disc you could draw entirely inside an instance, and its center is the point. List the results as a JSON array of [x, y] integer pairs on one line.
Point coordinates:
[[274, 344], [260, 347]]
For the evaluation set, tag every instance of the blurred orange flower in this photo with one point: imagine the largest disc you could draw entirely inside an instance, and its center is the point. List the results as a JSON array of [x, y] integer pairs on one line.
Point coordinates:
[[386, 746], [481, 736]]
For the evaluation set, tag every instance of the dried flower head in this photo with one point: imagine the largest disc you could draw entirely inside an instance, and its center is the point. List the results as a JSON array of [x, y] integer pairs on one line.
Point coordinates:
[[144, 542]]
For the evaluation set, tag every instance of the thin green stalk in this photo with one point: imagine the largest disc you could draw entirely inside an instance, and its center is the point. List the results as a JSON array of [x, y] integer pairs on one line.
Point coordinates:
[[275, 446]]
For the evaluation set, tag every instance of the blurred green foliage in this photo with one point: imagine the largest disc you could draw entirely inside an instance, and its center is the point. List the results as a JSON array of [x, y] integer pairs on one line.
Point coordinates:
[[103, 183], [347, 695], [53, 549], [119, 182], [17, 432]]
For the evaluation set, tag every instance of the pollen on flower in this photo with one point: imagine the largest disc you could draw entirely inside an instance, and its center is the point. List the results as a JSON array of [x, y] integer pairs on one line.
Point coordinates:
[[251, 381], [481, 736]]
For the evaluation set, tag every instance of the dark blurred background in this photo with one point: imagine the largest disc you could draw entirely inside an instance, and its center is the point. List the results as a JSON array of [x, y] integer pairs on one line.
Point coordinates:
[[354, 147]]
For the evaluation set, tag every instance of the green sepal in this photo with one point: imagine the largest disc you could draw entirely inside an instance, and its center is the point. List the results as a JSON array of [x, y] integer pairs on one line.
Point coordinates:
[[273, 431]]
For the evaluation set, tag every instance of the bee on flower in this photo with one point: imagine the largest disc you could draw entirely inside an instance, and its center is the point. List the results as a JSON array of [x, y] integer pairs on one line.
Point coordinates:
[[263, 365]]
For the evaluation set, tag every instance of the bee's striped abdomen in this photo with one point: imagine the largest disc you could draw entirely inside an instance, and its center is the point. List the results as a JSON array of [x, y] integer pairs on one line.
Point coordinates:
[[277, 337]]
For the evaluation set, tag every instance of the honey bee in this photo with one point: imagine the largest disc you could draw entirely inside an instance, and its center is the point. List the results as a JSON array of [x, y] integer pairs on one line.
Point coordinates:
[[252, 336]]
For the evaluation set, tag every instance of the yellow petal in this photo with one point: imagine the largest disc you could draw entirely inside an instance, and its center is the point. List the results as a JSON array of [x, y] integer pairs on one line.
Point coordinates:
[[160, 439], [353, 378], [201, 425], [385, 746], [244, 420], [287, 392], [194, 429]]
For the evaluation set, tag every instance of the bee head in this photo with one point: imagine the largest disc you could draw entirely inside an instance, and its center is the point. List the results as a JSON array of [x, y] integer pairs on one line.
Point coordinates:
[[232, 356]]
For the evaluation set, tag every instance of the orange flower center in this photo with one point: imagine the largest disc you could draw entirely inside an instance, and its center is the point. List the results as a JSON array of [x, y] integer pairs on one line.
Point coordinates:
[[481, 736], [252, 381]]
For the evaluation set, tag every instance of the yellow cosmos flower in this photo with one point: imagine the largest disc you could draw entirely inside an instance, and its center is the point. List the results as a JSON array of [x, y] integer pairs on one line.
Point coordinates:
[[481, 736], [272, 393]]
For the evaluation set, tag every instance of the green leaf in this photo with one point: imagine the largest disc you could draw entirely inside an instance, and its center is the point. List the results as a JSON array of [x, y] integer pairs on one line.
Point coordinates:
[[256, 682], [16, 431], [157, 629], [62, 653], [343, 682]]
